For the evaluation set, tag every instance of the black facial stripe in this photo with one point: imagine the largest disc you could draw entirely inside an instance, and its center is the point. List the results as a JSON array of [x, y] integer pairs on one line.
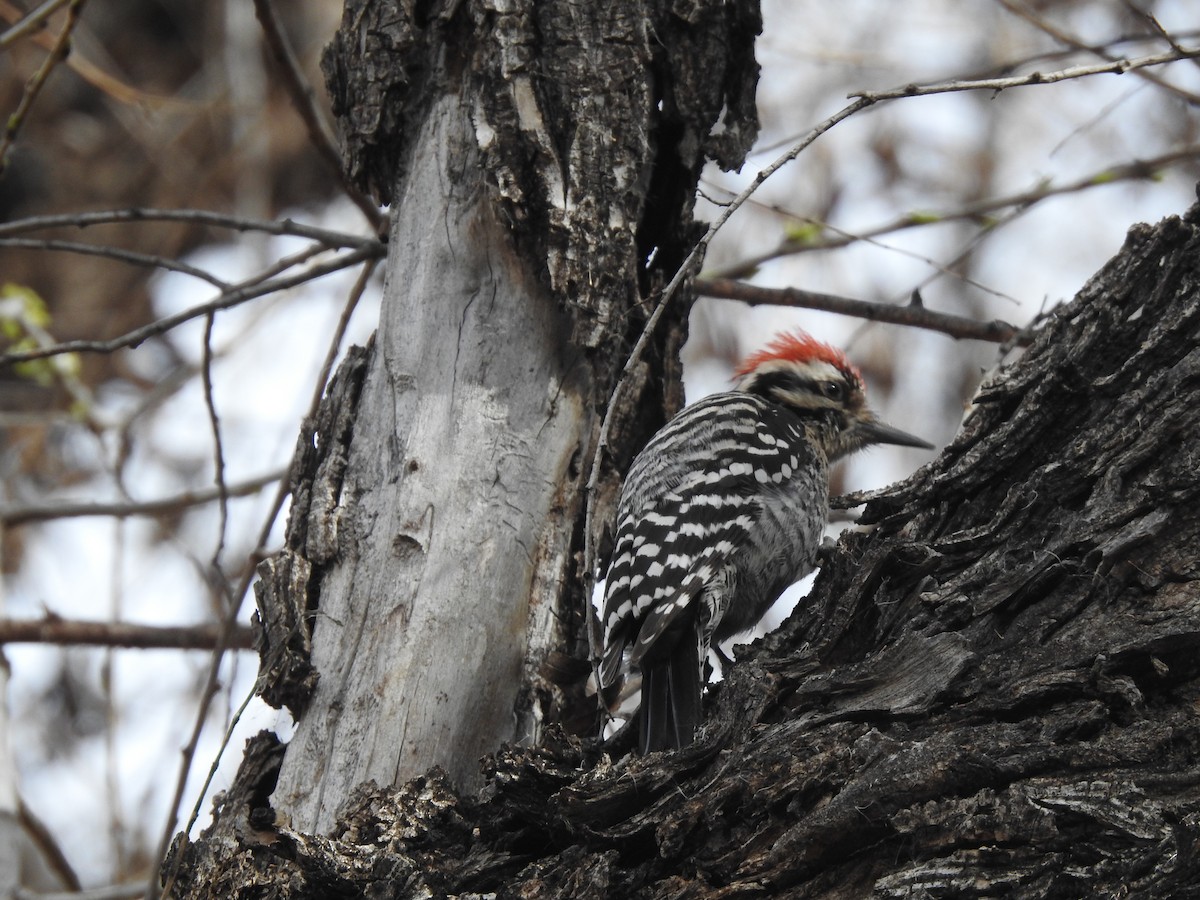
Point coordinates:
[[767, 382]]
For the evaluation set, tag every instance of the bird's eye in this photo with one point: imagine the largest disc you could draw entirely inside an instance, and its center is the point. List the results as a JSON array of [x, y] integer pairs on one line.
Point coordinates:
[[833, 390]]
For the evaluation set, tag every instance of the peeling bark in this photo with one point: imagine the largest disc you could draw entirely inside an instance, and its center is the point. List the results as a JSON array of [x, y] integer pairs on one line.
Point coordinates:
[[992, 692], [286, 592]]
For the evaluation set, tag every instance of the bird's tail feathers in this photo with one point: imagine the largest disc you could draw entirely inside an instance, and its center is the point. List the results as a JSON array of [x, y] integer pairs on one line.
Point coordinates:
[[670, 709]]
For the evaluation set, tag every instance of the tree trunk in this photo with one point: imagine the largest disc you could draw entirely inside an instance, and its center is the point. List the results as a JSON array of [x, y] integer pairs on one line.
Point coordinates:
[[993, 692], [536, 154], [447, 510]]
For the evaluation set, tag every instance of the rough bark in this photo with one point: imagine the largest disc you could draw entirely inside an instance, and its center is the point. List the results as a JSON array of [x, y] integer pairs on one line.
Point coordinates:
[[992, 692], [593, 121], [535, 154]]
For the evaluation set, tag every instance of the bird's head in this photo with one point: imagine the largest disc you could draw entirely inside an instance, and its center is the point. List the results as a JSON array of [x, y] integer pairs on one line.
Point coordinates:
[[818, 383]]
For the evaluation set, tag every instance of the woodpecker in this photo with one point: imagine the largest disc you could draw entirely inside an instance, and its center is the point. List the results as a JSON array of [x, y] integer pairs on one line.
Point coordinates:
[[722, 510]]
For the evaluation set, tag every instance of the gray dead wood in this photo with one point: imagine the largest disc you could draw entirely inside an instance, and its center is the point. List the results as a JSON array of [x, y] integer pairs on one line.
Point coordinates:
[[462, 441]]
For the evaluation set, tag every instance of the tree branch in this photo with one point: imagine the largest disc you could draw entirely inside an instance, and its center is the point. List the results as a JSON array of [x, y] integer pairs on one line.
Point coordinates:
[[225, 300], [132, 257], [913, 315], [52, 630], [1062, 36], [15, 514], [980, 210], [324, 236], [1116, 67], [301, 93]]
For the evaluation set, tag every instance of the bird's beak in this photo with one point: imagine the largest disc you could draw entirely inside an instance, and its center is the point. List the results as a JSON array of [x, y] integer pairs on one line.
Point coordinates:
[[872, 431]]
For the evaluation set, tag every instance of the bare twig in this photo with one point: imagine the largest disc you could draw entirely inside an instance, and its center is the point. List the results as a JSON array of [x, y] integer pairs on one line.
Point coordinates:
[[12, 514], [281, 265], [192, 216], [227, 299], [304, 99], [121, 634], [952, 267], [339, 334], [911, 315], [225, 635], [1049, 57], [214, 424], [32, 26], [147, 260], [34, 20], [48, 848], [33, 87], [216, 573], [1116, 67], [981, 210], [1155, 26], [1064, 37]]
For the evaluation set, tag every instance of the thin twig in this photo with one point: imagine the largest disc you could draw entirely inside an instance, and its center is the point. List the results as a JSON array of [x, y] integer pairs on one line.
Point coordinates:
[[33, 87], [1064, 37], [214, 424], [281, 265], [120, 634], [34, 20], [226, 300], [146, 260], [339, 334], [12, 515], [954, 265], [1116, 67], [1156, 26], [212, 768], [980, 210], [304, 99], [224, 636], [1050, 56], [192, 216], [911, 315], [228, 627], [322, 380]]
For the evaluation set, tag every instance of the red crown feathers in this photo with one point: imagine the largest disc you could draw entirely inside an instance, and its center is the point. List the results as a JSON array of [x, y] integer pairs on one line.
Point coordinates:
[[799, 347]]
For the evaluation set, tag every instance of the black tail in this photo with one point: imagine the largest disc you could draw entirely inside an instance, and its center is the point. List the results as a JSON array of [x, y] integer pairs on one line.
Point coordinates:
[[670, 710]]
